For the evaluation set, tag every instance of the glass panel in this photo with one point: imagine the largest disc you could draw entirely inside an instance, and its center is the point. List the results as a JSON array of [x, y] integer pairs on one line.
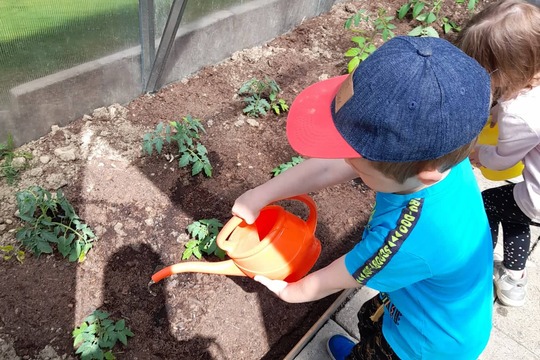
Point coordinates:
[[39, 37]]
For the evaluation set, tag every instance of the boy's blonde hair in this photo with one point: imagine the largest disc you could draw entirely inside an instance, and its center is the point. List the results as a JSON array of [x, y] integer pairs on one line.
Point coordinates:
[[401, 171], [505, 39]]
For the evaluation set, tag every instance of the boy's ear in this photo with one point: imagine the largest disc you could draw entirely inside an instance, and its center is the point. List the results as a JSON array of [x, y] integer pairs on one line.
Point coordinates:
[[429, 177]]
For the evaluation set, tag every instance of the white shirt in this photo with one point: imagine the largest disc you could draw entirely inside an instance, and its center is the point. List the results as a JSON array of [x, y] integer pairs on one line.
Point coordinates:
[[519, 140]]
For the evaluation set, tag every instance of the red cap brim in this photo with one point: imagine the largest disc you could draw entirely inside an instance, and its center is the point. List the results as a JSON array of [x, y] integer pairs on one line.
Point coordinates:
[[310, 127]]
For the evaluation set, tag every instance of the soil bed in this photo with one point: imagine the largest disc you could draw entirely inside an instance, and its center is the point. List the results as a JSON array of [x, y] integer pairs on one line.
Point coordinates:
[[140, 206]]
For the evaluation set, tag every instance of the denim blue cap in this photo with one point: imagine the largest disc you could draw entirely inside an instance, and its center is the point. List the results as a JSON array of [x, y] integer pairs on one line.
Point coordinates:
[[413, 99]]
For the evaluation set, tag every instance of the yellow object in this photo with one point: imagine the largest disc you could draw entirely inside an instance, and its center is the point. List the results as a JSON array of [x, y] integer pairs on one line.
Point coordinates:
[[489, 136]]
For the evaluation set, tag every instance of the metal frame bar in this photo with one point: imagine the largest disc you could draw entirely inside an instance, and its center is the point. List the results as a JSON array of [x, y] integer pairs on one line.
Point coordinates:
[[148, 38], [165, 45]]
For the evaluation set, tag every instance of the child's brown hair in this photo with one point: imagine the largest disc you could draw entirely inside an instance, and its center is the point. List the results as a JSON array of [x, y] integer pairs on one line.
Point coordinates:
[[505, 39], [401, 171]]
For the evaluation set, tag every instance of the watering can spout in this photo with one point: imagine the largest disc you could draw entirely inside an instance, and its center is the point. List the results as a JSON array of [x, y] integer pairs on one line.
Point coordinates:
[[227, 267], [279, 245]]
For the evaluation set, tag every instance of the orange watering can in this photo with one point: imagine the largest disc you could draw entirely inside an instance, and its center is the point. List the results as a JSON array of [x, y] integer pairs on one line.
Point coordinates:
[[279, 245], [489, 136]]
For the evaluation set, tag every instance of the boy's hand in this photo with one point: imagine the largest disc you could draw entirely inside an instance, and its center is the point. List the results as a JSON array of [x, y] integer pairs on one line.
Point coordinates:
[[275, 286], [248, 206], [313, 286]]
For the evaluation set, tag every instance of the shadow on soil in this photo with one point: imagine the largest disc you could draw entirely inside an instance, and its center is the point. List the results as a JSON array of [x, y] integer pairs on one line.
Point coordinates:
[[126, 275]]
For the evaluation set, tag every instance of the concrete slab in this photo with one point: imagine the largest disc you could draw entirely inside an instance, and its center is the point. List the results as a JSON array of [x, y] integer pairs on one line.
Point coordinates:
[[346, 315], [521, 323], [502, 347], [316, 348]]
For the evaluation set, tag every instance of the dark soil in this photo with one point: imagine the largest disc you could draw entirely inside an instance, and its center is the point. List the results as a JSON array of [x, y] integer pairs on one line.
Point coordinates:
[[140, 207]]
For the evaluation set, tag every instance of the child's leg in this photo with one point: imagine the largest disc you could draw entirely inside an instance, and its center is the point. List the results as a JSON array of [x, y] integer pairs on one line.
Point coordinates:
[[517, 241], [493, 202], [510, 278], [372, 343], [502, 208]]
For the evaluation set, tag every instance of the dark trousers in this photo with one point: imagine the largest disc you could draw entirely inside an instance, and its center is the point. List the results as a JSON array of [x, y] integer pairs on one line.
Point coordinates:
[[501, 208], [372, 345]]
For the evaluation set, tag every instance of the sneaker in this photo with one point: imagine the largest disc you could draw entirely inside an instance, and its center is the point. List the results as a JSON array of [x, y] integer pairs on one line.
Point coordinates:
[[497, 258], [497, 262], [339, 347], [510, 292]]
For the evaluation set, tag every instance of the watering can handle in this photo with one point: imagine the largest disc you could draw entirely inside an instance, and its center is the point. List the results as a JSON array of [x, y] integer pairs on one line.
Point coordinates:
[[235, 221], [223, 235], [312, 217]]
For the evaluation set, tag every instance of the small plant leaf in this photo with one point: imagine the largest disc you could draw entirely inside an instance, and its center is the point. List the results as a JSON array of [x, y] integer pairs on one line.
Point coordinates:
[[352, 52], [403, 10], [417, 9], [447, 28], [159, 145], [360, 40], [43, 247], [197, 253], [122, 337], [184, 159], [430, 31], [416, 31], [353, 64], [207, 169], [187, 253], [197, 168], [120, 325]]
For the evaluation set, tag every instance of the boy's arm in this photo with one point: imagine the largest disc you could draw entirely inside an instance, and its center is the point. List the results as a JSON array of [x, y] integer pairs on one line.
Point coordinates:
[[310, 175], [314, 286]]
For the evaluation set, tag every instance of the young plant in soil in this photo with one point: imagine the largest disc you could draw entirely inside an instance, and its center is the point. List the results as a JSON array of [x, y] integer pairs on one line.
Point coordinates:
[[10, 251], [51, 219], [204, 233], [471, 4], [295, 160], [379, 26], [8, 168], [186, 135], [97, 335], [262, 95], [427, 14]]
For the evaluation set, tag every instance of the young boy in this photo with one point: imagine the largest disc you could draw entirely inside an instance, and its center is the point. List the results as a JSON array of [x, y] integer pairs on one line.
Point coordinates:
[[404, 122]]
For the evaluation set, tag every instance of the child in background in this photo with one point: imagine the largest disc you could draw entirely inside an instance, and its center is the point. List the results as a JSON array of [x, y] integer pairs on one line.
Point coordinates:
[[505, 39], [404, 122]]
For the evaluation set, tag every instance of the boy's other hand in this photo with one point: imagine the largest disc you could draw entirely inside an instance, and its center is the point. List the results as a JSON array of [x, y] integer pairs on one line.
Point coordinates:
[[275, 286]]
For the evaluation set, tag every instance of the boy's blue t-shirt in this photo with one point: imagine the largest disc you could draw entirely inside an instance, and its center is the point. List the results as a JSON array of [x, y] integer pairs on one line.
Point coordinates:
[[431, 254]]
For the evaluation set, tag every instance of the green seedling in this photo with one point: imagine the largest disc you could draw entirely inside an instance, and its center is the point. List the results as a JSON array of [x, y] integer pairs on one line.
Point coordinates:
[[261, 96], [450, 26], [471, 4], [51, 221], [185, 134], [10, 251], [426, 13], [378, 26], [97, 335], [7, 155], [204, 233], [295, 160]]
